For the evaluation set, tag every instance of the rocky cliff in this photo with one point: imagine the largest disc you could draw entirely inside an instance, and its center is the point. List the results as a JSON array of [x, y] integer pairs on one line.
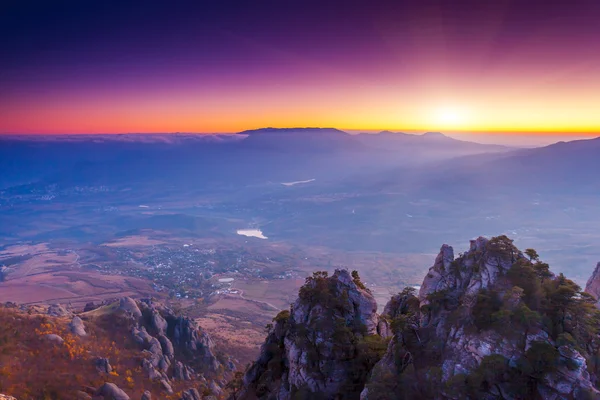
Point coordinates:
[[321, 347], [489, 324], [492, 323], [593, 284]]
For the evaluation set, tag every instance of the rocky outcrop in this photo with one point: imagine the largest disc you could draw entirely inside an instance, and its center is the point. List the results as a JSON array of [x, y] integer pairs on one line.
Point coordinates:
[[470, 319], [81, 395], [191, 394], [130, 307], [146, 395], [166, 386], [166, 346], [182, 372], [593, 284], [159, 324], [103, 365], [6, 397], [479, 268], [312, 350], [110, 391], [56, 310], [190, 339], [168, 341], [77, 327], [489, 324]]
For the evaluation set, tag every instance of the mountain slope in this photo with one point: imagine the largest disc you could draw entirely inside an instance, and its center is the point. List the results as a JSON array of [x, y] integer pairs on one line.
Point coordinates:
[[431, 141], [303, 140], [121, 349]]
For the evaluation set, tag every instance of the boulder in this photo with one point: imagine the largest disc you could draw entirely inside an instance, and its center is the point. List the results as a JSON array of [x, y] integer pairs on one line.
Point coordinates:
[[141, 336], [130, 307], [150, 370], [77, 327], [146, 395], [103, 365], [53, 338], [182, 372], [110, 391], [167, 346], [159, 324], [166, 386], [191, 394], [82, 395]]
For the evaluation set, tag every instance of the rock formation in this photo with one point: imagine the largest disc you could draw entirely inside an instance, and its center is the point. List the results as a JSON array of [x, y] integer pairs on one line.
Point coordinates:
[[593, 284], [472, 332], [130, 307], [54, 338], [56, 310], [155, 350], [103, 365], [163, 336], [110, 391], [315, 348], [191, 394], [489, 324], [76, 326]]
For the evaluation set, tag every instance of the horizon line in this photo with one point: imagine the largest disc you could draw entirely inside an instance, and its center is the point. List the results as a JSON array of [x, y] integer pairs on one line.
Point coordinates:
[[349, 131]]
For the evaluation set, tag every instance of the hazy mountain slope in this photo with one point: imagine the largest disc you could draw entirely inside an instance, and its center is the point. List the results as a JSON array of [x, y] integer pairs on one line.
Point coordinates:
[[433, 141], [570, 166], [300, 140]]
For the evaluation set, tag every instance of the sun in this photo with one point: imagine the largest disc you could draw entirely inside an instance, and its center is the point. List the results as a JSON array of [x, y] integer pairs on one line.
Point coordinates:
[[449, 116]]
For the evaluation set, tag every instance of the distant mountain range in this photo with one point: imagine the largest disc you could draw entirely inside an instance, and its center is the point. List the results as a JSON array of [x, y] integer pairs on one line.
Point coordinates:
[[378, 192]]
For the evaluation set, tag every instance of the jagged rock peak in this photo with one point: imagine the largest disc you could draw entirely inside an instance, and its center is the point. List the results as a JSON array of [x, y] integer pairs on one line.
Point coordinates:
[[593, 284], [314, 349], [481, 324], [359, 301], [477, 268]]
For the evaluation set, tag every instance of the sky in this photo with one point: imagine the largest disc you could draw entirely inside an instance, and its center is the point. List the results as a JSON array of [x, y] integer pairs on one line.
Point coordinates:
[[522, 67]]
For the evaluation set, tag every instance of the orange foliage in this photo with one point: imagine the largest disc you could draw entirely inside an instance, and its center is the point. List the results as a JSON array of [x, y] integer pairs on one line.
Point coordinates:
[[31, 367]]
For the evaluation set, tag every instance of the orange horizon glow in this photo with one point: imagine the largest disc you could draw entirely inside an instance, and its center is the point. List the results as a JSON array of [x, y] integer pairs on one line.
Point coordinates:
[[498, 67]]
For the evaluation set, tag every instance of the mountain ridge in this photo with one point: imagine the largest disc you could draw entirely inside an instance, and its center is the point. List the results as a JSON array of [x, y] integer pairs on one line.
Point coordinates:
[[484, 325]]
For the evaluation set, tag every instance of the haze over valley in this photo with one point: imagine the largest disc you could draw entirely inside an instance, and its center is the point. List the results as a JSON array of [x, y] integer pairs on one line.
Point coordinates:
[[392, 197]]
